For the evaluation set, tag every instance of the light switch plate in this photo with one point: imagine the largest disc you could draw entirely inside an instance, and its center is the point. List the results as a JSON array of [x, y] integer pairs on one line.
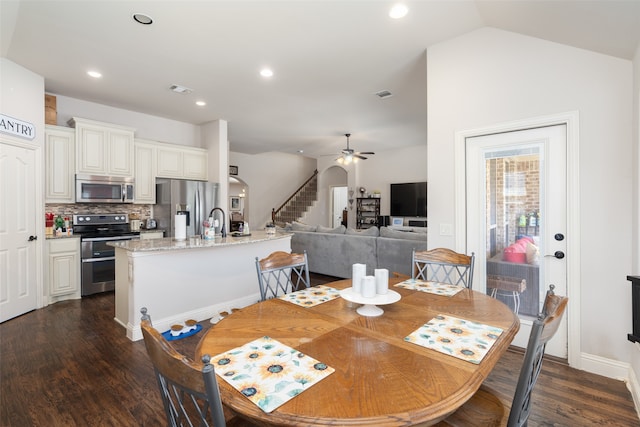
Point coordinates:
[[446, 229]]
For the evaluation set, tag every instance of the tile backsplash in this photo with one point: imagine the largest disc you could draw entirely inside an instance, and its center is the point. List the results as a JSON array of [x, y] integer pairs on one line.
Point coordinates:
[[66, 209]]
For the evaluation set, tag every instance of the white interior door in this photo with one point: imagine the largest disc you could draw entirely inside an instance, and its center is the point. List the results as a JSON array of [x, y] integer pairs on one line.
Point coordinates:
[[18, 248], [516, 219], [339, 204]]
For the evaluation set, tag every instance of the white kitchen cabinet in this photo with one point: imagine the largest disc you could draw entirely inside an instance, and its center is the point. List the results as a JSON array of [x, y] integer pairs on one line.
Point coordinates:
[[103, 148], [176, 161], [196, 164], [59, 164], [63, 268], [145, 171], [170, 162]]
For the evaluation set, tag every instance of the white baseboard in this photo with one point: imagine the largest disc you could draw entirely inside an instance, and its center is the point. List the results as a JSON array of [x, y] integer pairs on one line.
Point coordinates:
[[634, 388], [606, 367], [134, 333]]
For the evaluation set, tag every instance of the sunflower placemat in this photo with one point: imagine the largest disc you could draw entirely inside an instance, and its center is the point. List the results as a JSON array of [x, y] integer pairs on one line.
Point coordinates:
[[312, 296], [431, 287], [268, 372], [459, 338]]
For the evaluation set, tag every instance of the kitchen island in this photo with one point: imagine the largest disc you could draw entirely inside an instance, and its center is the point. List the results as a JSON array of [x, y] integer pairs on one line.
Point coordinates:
[[188, 279]]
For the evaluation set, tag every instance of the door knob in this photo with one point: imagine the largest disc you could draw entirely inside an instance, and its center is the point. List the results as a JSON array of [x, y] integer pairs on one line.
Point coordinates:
[[32, 238], [557, 254], [559, 237]]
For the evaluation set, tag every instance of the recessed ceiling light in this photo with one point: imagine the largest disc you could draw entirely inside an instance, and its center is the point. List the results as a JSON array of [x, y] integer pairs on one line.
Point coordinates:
[[94, 74], [141, 18], [398, 11], [300, 151], [266, 72], [201, 103]]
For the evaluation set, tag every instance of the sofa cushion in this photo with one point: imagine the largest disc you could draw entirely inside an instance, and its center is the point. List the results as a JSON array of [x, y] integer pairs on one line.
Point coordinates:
[[372, 231], [298, 226], [397, 234], [338, 230]]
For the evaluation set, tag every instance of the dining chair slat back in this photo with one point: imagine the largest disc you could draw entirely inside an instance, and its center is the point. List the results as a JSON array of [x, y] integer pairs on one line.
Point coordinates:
[[282, 272], [189, 390], [444, 266], [485, 405]]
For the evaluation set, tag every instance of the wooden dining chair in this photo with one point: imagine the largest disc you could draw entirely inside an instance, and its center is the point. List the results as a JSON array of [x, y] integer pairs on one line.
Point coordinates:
[[485, 408], [281, 273], [443, 265], [189, 389]]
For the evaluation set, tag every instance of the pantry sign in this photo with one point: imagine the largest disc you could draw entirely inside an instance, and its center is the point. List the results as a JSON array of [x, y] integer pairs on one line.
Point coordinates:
[[16, 127]]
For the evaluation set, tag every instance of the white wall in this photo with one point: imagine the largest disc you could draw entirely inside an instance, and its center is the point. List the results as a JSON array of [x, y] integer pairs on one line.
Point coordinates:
[[146, 126], [271, 178], [388, 167], [321, 212], [635, 197], [489, 77]]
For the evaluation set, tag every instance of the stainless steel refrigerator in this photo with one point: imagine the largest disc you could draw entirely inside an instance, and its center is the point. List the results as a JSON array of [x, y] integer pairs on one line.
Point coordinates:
[[181, 197]]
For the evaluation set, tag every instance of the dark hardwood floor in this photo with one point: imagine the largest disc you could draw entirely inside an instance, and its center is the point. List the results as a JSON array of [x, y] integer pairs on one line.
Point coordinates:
[[70, 364]]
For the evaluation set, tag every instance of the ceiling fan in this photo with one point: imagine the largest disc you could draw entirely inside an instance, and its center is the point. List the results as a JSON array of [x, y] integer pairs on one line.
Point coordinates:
[[348, 155]]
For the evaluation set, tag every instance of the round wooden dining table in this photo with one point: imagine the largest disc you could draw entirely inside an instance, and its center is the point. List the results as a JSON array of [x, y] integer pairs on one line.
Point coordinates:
[[380, 378]]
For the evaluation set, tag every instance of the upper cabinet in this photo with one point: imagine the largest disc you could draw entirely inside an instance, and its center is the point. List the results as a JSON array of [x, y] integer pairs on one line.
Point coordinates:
[[145, 171], [103, 148], [59, 164], [175, 161]]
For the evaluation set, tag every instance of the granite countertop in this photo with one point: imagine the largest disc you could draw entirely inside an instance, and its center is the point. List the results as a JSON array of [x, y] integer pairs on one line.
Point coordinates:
[[171, 244], [62, 236]]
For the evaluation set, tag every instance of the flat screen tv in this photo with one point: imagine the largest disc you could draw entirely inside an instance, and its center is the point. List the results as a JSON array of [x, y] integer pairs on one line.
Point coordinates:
[[409, 199]]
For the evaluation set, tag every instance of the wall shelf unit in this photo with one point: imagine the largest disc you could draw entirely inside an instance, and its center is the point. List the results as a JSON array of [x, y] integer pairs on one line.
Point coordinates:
[[367, 211]]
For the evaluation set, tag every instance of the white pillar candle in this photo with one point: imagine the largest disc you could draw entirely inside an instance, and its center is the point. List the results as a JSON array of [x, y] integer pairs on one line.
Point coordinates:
[[358, 271], [180, 226], [368, 286], [382, 280]]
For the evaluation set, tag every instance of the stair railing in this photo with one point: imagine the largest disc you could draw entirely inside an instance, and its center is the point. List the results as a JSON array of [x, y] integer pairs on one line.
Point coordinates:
[[275, 212]]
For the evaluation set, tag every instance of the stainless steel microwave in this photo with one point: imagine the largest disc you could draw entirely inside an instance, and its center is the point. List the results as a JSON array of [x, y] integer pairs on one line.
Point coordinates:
[[104, 189]]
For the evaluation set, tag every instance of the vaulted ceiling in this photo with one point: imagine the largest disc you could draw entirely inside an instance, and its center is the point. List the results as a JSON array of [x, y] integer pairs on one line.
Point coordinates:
[[329, 59]]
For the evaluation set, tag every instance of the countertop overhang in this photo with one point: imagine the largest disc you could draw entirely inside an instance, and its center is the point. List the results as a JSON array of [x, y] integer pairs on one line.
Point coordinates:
[[171, 244]]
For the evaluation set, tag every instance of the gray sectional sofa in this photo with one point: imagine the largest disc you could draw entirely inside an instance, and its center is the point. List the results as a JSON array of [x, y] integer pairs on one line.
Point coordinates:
[[334, 251]]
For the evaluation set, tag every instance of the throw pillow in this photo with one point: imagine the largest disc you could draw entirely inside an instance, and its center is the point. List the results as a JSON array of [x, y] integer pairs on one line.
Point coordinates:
[[298, 226], [338, 230], [533, 254], [371, 231]]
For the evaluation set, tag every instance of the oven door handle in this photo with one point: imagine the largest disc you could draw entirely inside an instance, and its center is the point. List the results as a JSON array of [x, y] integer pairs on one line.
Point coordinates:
[[109, 239], [110, 258]]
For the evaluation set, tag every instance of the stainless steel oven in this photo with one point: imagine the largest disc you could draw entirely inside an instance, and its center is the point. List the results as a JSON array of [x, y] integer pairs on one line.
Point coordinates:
[[98, 258], [99, 263]]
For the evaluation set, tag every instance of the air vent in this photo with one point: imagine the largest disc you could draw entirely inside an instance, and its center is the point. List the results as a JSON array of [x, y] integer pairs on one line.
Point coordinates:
[[180, 89], [384, 94]]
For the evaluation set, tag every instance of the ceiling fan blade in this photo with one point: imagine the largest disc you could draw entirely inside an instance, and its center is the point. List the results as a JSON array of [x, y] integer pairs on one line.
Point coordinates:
[[359, 156], [365, 152]]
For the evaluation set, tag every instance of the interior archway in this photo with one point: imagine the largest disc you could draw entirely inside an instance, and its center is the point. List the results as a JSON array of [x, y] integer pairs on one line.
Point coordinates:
[[238, 202]]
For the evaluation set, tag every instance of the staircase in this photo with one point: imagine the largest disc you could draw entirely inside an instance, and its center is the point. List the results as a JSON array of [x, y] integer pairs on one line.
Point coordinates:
[[298, 203]]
